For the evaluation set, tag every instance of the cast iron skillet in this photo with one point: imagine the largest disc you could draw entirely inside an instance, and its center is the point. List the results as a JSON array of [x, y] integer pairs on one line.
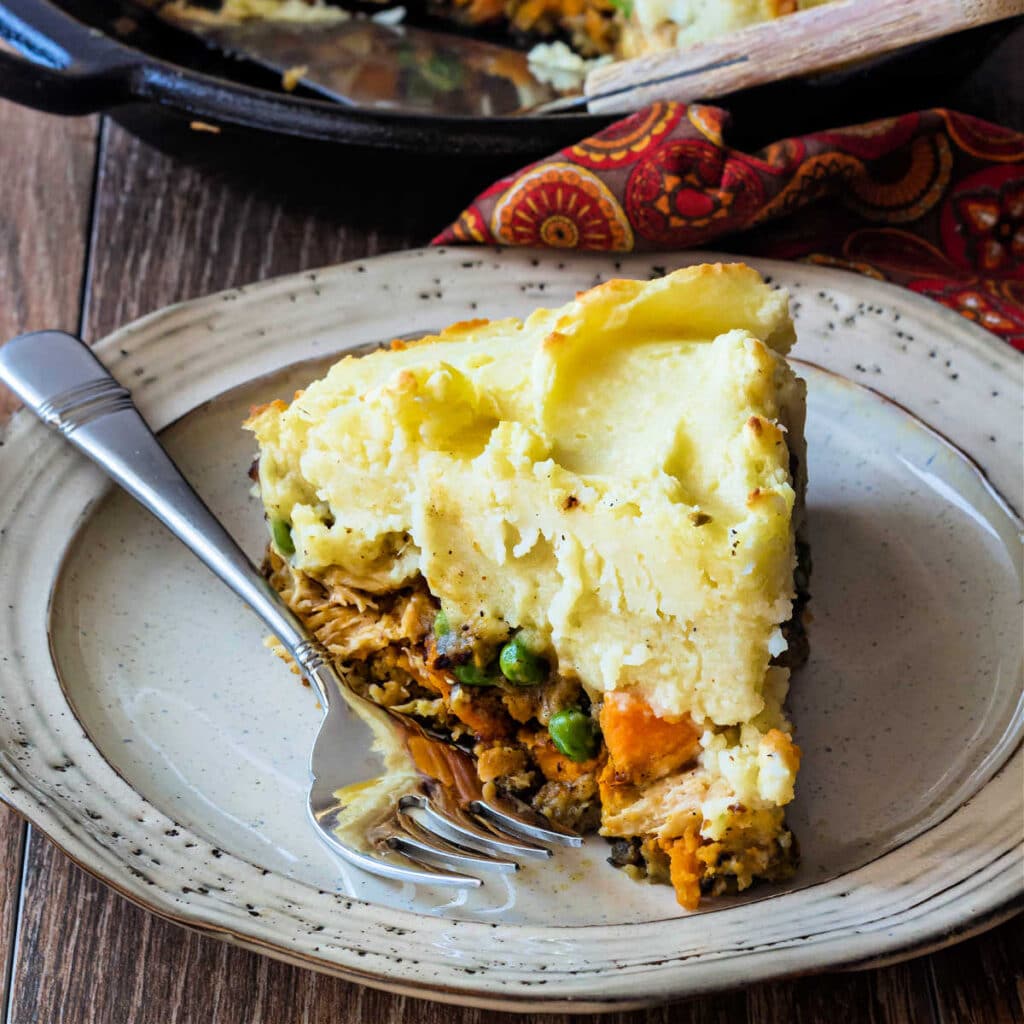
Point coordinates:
[[77, 68], [87, 55]]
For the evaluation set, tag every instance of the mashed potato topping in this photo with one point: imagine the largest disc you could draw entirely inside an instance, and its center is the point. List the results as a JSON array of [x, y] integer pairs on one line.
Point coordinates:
[[612, 478]]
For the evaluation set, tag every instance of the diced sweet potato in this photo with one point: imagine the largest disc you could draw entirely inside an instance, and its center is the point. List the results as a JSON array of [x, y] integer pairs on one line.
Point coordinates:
[[684, 868], [437, 759], [641, 746], [486, 719]]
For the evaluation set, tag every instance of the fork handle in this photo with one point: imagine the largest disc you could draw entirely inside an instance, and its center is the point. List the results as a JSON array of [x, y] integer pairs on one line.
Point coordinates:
[[68, 388]]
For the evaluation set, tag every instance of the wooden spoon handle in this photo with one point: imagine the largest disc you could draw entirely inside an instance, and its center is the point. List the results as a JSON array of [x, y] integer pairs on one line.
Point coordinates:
[[813, 40]]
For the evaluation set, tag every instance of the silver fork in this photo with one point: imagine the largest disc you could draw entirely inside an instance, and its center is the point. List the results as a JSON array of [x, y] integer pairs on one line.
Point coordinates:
[[438, 826]]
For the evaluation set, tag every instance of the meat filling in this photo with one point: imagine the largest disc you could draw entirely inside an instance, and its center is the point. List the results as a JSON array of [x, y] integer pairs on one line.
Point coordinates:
[[530, 737]]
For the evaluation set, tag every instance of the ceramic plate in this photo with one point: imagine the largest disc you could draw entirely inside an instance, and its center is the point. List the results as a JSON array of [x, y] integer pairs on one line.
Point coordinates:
[[146, 730]]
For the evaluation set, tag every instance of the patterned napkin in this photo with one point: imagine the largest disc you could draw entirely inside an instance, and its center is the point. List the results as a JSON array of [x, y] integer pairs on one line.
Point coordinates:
[[932, 200]]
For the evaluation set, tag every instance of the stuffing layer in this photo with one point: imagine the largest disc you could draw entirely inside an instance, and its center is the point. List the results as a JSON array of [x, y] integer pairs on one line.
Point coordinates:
[[694, 807]]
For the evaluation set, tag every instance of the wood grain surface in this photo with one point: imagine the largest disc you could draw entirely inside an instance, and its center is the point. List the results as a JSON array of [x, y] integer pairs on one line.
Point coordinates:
[[158, 229], [45, 200], [45, 203], [12, 854]]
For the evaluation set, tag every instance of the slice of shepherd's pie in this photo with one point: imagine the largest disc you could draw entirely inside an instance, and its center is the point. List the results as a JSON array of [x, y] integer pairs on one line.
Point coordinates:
[[572, 543]]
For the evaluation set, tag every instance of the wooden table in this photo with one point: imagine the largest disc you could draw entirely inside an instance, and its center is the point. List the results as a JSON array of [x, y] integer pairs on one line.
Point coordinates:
[[97, 228]]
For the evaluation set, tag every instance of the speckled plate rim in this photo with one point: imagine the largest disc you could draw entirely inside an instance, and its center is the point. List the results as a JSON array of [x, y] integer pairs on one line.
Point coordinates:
[[51, 773]]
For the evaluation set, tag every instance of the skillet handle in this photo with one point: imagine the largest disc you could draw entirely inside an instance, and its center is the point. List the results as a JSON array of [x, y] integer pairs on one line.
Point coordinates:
[[57, 91], [68, 68]]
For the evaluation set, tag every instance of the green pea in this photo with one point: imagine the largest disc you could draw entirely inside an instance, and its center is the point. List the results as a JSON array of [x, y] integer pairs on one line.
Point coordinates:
[[471, 674], [519, 664], [281, 532], [575, 734], [441, 625]]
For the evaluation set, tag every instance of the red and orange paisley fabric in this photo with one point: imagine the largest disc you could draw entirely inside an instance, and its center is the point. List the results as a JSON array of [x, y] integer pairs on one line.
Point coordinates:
[[932, 200]]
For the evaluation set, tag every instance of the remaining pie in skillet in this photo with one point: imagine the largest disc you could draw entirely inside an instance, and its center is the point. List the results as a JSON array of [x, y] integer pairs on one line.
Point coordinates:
[[624, 28]]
